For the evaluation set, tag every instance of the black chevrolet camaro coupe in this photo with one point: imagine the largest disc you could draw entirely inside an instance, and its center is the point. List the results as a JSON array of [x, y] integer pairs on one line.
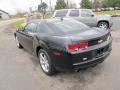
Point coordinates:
[[64, 44]]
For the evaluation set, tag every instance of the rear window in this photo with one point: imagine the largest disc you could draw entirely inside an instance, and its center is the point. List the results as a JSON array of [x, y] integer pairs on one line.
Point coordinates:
[[68, 26], [61, 13]]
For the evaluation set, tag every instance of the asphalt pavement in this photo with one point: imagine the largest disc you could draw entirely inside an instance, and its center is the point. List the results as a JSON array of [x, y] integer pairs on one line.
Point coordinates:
[[116, 23]]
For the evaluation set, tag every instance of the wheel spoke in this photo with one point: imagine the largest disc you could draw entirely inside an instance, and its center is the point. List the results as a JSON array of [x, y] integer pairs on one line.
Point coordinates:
[[41, 56]]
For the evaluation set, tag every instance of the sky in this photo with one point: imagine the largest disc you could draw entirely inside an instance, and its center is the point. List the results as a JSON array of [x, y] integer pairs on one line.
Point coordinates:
[[13, 6]]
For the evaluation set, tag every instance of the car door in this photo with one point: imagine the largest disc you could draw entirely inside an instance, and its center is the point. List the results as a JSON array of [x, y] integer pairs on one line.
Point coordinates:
[[27, 36], [88, 18]]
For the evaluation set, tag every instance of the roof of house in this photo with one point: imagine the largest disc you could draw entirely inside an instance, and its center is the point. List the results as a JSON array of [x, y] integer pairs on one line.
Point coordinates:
[[3, 11]]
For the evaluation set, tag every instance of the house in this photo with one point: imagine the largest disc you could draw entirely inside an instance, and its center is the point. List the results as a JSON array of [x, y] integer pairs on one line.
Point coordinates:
[[4, 15]]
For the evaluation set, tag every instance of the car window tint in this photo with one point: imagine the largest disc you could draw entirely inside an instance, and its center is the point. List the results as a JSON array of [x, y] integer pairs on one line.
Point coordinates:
[[86, 13], [74, 13], [68, 26], [61, 13], [31, 27], [43, 28]]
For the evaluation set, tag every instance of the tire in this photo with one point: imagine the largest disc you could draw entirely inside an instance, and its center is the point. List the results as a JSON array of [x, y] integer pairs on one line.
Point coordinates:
[[17, 43], [46, 63], [103, 25]]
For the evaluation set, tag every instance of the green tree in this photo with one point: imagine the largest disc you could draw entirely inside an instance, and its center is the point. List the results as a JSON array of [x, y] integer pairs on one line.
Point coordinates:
[[42, 8], [86, 4], [111, 3], [105, 3], [60, 4]]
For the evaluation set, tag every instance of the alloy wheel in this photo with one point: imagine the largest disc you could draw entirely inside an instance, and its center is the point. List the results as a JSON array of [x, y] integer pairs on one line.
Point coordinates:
[[103, 25], [44, 62]]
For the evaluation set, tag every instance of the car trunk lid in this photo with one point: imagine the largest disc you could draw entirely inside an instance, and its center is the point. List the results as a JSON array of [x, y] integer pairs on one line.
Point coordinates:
[[93, 36]]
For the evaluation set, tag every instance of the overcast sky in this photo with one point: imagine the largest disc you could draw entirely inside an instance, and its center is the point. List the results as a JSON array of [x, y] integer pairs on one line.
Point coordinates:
[[12, 6]]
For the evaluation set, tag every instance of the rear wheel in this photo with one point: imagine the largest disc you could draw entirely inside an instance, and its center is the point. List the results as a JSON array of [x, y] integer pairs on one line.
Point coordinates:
[[103, 25], [17, 43], [46, 63]]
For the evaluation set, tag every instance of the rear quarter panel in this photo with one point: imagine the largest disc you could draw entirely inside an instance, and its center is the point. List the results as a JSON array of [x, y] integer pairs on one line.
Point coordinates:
[[51, 42]]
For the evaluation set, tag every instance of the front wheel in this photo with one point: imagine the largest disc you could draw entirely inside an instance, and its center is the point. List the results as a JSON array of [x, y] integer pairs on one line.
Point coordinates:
[[46, 63], [103, 25]]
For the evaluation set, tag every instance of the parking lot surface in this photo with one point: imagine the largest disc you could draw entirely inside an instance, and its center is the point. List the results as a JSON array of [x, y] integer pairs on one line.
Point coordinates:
[[19, 70]]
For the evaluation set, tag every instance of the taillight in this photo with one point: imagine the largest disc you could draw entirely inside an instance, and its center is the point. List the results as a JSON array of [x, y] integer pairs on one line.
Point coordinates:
[[83, 45], [73, 47]]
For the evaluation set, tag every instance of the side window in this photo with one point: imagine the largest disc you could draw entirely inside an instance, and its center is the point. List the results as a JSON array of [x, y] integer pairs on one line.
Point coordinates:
[[31, 27], [61, 13], [86, 13], [74, 13]]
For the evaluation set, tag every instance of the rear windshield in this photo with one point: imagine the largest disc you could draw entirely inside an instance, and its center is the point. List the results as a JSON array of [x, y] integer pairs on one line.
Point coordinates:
[[68, 26]]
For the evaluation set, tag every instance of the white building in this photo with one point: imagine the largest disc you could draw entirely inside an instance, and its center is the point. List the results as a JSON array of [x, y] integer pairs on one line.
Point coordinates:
[[4, 15]]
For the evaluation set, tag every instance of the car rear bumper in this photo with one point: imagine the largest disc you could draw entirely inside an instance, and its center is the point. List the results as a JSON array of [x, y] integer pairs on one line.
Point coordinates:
[[91, 62], [68, 62]]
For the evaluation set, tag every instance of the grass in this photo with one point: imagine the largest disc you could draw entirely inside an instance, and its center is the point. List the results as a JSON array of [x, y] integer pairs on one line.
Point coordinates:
[[109, 12], [1, 31], [48, 15], [18, 24], [3, 19]]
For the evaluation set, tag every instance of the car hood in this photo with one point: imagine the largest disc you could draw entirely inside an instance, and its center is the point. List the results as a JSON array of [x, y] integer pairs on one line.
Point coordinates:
[[87, 34]]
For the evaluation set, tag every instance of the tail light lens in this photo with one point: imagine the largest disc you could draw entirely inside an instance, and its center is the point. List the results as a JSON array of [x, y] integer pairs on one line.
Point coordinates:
[[73, 47], [83, 45]]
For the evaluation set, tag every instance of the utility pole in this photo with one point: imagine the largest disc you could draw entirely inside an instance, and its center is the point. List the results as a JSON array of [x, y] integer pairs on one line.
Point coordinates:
[[67, 4], [41, 1], [42, 10], [50, 6]]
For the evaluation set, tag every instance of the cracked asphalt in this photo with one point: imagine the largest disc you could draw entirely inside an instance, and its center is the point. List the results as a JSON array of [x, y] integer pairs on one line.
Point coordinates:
[[20, 70]]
